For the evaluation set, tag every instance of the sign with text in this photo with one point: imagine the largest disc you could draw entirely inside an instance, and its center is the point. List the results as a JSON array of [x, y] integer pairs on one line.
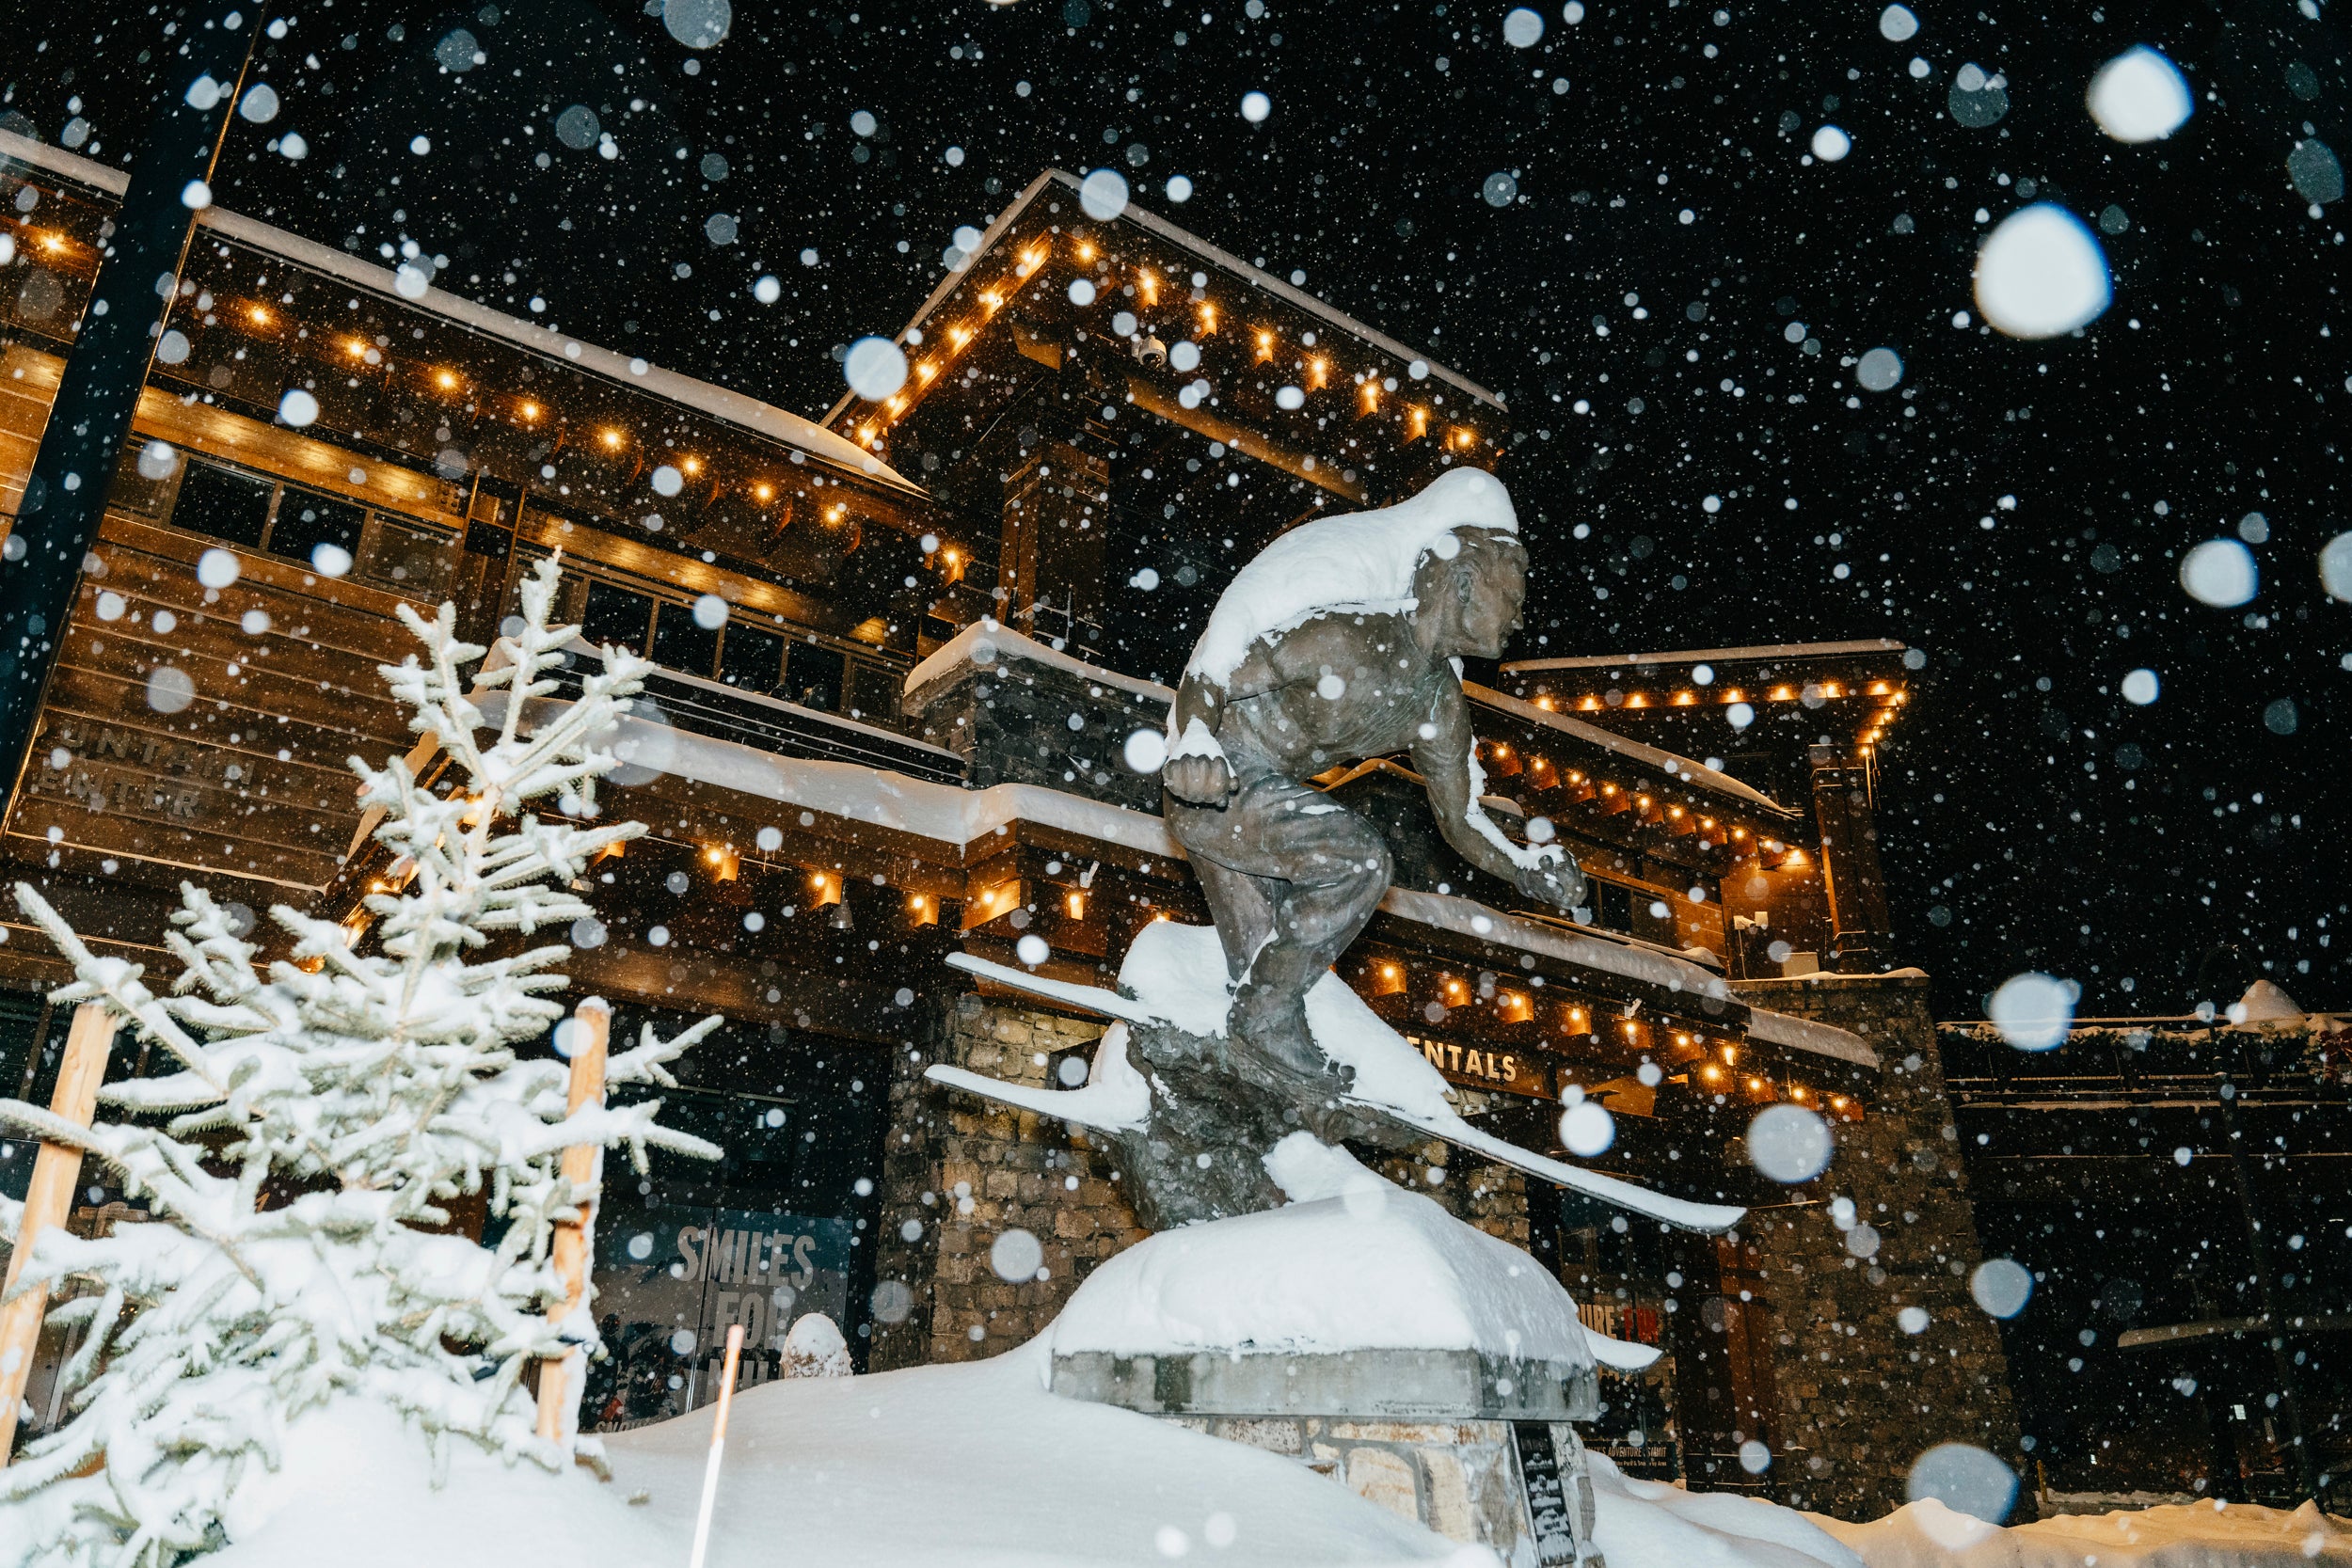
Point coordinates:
[[1506, 1070], [670, 1281]]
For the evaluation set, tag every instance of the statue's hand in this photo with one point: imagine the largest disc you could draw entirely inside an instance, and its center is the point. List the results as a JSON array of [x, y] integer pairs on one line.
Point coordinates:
[[1556, 882], [1199, 780]]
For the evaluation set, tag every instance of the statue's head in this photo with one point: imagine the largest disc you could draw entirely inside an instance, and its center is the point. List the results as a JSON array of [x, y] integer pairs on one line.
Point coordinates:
[[1469, 596]]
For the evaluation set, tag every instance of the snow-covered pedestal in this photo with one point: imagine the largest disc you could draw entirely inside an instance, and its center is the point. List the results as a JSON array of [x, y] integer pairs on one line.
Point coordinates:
[[1367, 1333]]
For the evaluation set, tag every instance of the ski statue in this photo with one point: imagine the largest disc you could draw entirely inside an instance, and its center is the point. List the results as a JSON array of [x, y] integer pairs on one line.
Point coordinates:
[[1340, 641], [323, 1114]]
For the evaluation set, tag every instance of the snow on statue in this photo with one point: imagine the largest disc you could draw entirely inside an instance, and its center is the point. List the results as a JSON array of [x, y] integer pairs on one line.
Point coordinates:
[[375, 1088], [1342, 640]]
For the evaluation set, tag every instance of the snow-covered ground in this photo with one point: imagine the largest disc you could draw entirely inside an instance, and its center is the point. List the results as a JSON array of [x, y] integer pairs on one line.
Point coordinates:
[[978, 1466]]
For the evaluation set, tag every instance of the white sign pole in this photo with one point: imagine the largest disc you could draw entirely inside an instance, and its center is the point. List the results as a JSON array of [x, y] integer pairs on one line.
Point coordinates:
[[718, 1444]]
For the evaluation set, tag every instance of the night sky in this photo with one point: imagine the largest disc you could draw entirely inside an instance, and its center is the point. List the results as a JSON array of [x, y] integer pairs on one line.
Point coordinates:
[[1659, 187]]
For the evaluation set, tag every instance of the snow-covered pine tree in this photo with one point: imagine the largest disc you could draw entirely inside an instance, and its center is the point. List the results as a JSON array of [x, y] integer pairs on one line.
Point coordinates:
[[323, 1115]]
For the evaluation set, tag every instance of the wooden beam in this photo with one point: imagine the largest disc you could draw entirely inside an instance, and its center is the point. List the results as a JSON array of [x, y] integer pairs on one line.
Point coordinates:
[[562, 1380], [56, 1170]]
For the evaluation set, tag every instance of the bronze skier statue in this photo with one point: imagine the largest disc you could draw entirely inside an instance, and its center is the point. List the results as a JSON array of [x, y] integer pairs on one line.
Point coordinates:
[[1340, 642]]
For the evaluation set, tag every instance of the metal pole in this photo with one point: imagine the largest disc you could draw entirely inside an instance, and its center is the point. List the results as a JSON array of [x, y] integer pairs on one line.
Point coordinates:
[[138, 274]]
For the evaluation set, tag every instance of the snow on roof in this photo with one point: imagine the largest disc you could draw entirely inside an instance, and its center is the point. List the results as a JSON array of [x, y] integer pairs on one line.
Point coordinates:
[[2265, 1002], [1359, 1264], [1760, 654], [734, 408], [1256, 277], [1804, 1033], [1358, 561], [985, 641], [1696, 774]]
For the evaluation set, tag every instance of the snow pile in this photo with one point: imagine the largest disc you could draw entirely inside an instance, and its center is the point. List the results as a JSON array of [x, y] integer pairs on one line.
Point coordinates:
[[1648, 1524], [356, 1489], [1358, 1264], [1927, 1534], [815, 1348], [1364, 560], [824, 1470]]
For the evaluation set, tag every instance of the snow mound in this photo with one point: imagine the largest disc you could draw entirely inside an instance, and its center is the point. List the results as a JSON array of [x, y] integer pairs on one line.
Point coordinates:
[[1364, 561], [355, 1488], [1648, 1524], [815, 1348], [1361, 1264], [1927, 1534], [1000, 1473], [822, 1471]]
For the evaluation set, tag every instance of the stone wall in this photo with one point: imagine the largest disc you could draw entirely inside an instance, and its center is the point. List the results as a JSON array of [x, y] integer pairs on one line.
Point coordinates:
[[1860, 1395], [959, 1173]]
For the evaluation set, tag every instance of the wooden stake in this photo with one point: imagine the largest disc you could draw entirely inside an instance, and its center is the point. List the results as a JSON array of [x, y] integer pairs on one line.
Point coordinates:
[[56, 1170], [718, 1444], [561, 1381]]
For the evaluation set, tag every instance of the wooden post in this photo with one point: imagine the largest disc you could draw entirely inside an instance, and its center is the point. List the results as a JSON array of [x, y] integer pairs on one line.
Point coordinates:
[[718, 1445], [56, 1170], [561, 1381]]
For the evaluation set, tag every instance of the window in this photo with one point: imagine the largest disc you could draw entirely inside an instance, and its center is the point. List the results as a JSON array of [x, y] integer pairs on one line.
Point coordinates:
[[410, 561], [306, 521], [680, 643], [616, 615], [751, 659], [874, 691], [812, 676], [224, 503], [1613, 908]]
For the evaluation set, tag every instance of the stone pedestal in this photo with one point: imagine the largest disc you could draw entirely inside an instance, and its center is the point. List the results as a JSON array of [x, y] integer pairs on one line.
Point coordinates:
[[1478, 1447]]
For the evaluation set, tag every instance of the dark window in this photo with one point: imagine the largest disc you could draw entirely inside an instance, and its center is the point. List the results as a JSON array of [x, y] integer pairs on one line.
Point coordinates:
[[1614, 912], [306, 521], [812, 676], [680, 643], [874, 691], [227, 505], [751, 659], [616, 615], [412, 560]]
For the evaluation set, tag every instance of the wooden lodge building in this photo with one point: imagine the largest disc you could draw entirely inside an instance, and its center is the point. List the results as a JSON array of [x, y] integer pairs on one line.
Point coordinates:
[[901, 654]]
